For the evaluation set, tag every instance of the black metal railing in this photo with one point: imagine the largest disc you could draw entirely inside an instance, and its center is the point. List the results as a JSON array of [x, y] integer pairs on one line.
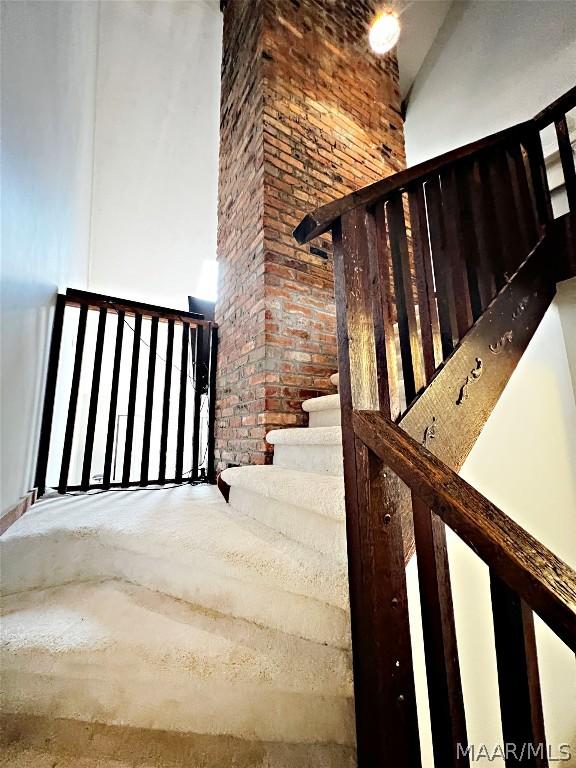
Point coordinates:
[[129, 398]]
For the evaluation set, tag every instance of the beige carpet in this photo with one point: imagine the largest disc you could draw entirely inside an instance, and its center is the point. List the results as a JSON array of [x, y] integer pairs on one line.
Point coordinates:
[[39, 742]]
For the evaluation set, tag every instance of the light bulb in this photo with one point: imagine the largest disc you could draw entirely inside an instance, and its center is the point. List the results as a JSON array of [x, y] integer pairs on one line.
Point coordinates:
[[384, 32]]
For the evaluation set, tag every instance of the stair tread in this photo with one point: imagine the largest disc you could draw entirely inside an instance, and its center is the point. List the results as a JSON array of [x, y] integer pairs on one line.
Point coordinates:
[[88, 630], [323, 403], [174, 526], [320, 493], [306, 436]]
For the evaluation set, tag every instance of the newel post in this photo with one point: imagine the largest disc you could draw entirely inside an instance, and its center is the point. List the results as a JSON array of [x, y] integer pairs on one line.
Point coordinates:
[[386, 718]]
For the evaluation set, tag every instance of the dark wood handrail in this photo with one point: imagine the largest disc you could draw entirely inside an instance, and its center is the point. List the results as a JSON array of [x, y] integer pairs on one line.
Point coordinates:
[[77, 297], [557, 109], [545, 582], [322, 219]]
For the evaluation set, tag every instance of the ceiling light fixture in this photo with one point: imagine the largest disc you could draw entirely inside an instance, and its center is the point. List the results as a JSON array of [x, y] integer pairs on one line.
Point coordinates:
[[384, 32]]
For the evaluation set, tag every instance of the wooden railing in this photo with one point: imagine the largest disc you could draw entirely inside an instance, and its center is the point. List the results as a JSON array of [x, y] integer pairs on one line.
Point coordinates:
[[524, 575], [323, 219], [442, 274], [112, 364]]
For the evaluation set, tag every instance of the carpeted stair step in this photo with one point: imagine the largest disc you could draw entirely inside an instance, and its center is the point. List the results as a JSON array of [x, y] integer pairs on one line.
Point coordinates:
[[306, 507], [323, 411], [32, 741], [315, 449], [122, 654], [188, 546]]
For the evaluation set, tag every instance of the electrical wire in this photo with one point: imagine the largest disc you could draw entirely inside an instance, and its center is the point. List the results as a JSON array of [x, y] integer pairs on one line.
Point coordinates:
[[191, 364]]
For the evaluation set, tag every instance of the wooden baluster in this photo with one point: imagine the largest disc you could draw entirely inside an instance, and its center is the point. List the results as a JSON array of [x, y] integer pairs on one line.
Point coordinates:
[[410, 351], [469, 248], [182, 402], [93, 407], [444, 294], [212, 403], [73, 402], [166, 403], [491, 222], [539, 179], [380, 265], [145, 462], [441, 651], [387, 727], [200, 370], [524, 205], [567, 160], [510, 229], [132, 400], [452, 208], [50, 394], [486, 237], [428, 312], [113, 401], [480, 277], [518, 679]]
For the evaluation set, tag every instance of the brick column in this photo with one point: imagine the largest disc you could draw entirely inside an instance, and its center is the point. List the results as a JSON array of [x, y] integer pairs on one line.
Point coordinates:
[[308, 114]]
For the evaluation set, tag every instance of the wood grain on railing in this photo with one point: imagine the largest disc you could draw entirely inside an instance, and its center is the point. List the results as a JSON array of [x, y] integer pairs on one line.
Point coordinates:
[[382, 660], [558, 108], [447, 713], [567, 160], [541, 578], [442, 275], [518, 676], [449, 415], [323, 218], [428, 312]]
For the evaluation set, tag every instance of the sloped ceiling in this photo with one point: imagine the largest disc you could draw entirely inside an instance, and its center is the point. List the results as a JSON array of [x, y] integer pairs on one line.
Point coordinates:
[[421, 20]]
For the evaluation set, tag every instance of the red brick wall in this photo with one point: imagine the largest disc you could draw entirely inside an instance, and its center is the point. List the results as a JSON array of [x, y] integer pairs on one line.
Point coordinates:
[[308, 114]]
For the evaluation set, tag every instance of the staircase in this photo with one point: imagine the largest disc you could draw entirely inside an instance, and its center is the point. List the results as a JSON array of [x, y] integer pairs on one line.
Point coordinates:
[[216, 631], [170, 610], [456, 261]]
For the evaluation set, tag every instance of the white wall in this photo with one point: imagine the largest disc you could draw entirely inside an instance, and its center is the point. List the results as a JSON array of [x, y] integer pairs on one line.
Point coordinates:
[[566, 300], [110, 120], [492, 65], [48, 90], [525, 462], [156, 149]]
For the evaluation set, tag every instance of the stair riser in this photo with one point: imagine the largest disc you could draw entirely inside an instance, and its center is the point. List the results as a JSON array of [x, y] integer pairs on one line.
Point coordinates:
[[191, 706], [329, 418], [44, 742], [310, 458], [204, 583], [321, 533], [321, 494]]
